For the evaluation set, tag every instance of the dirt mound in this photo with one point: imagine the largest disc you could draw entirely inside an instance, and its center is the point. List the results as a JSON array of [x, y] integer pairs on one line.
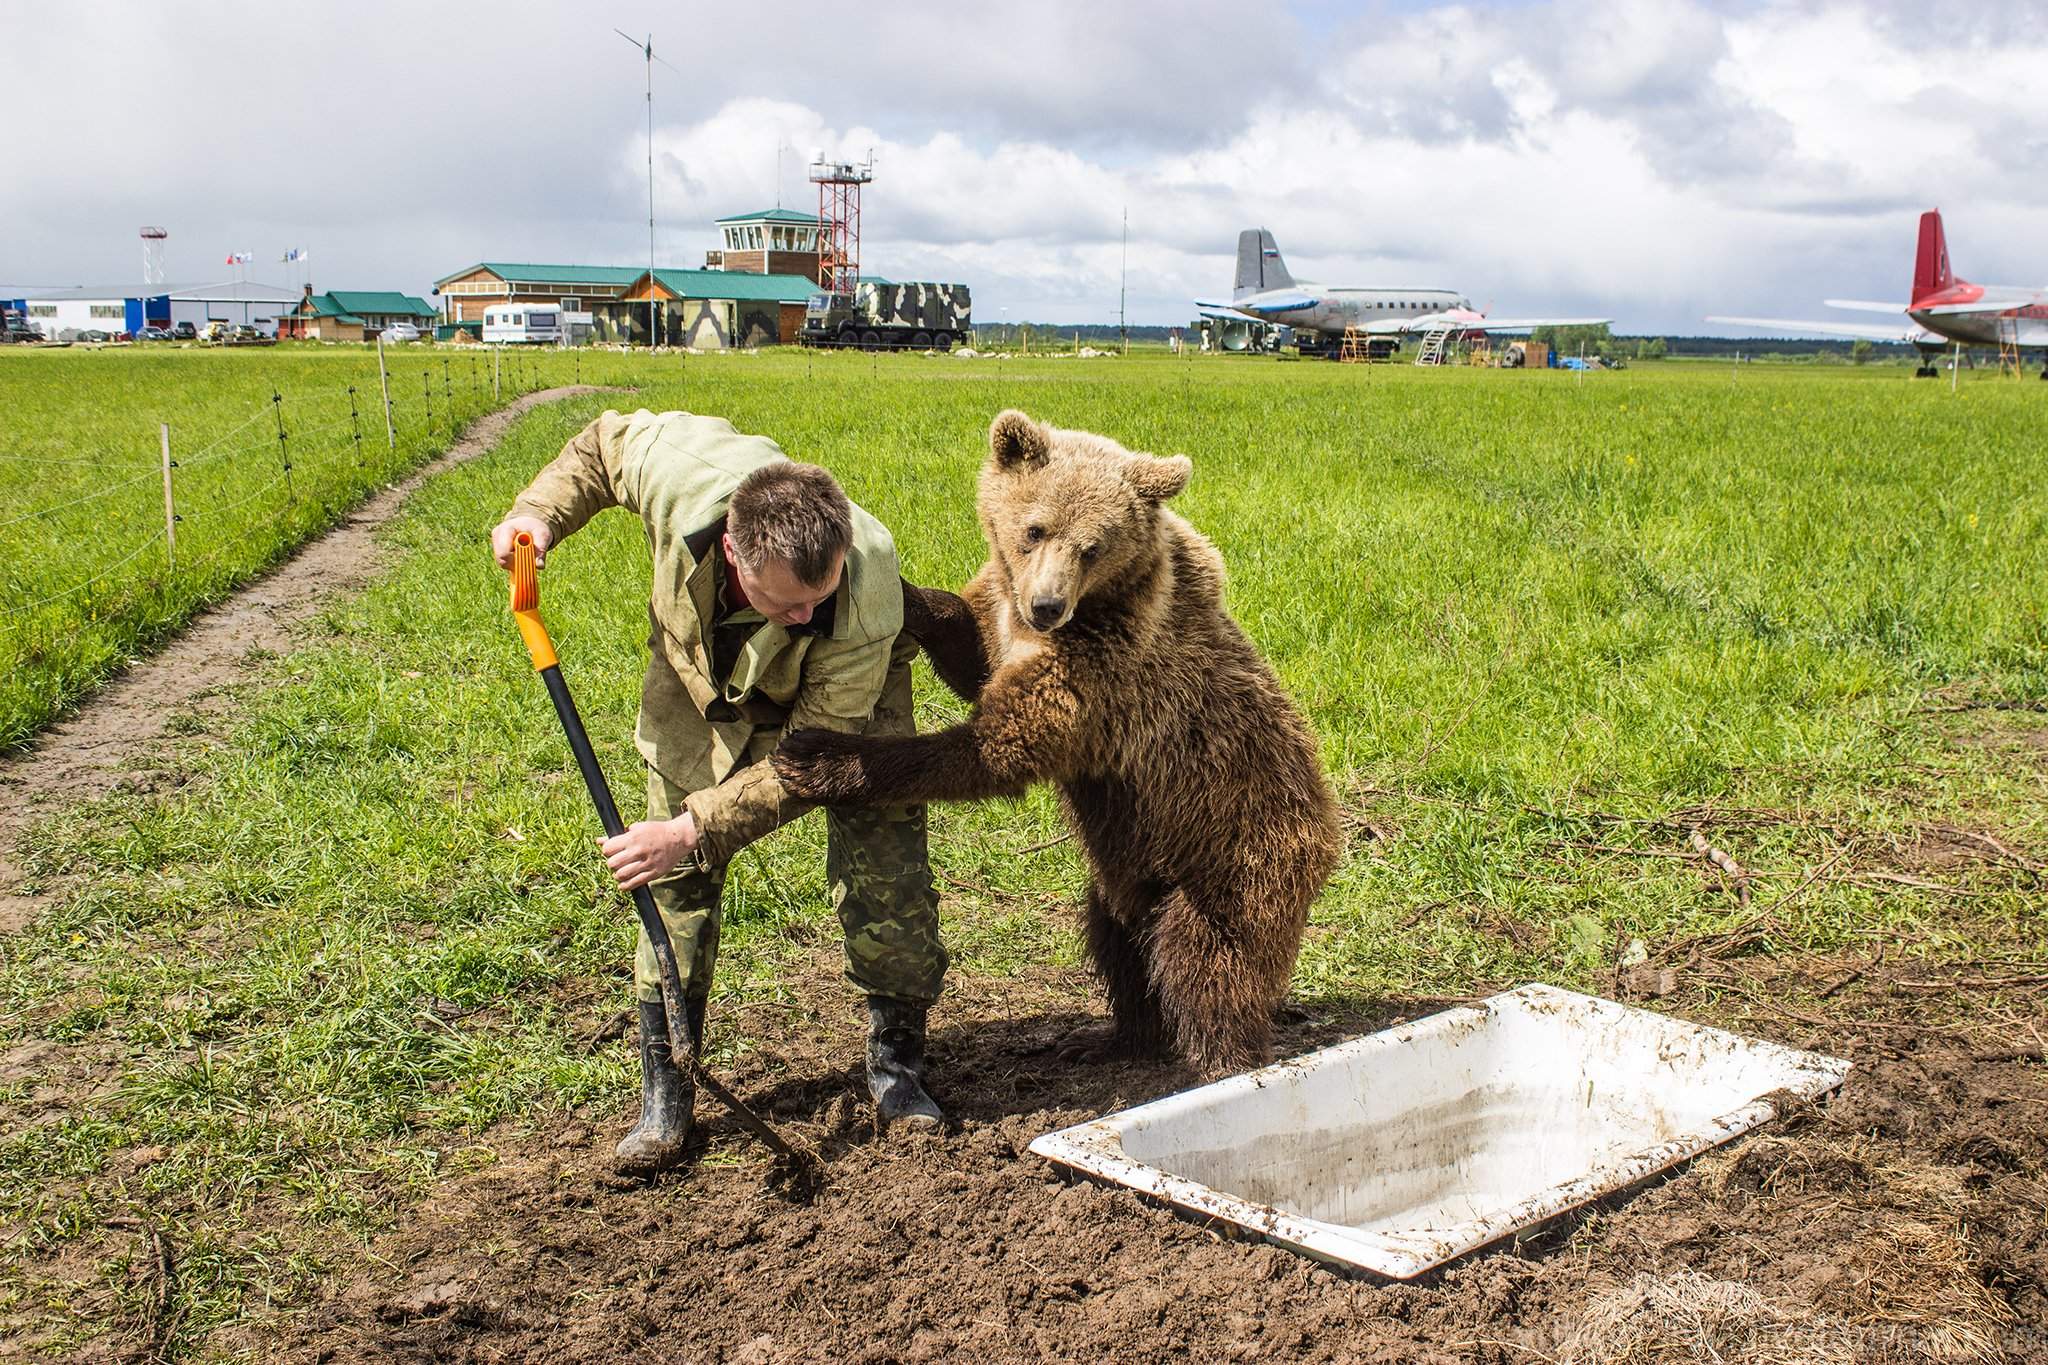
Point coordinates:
[[1902, 1221]]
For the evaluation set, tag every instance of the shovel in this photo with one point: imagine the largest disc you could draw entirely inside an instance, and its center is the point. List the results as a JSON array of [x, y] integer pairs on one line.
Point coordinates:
[[526, 612]]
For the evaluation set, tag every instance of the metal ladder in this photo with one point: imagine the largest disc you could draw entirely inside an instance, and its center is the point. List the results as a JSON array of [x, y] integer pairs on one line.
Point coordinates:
[[1434, 343], [2009, 359]]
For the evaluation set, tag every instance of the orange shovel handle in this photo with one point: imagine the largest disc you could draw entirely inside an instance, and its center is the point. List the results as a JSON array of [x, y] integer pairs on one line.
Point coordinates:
[[526, 603]]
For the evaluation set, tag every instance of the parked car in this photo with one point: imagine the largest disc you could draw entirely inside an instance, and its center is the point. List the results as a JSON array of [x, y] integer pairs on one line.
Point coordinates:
[[184, 331], [92, 334], [21, 329], [242, 331], [401, 331], [154, 334]]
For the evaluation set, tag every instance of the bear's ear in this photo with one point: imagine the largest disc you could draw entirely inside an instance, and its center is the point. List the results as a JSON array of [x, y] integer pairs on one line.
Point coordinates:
[[1156, 480], [1014, 439]]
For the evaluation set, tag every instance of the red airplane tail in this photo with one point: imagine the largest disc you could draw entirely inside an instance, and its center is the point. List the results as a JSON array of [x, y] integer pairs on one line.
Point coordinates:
[[1931, 274]]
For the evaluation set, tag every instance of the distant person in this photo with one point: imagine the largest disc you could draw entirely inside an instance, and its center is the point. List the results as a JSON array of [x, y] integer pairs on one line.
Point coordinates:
[[777, 605]]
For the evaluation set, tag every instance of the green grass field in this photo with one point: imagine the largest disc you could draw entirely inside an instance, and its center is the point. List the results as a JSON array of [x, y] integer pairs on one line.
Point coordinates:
[[1534, 620], [88, 577]]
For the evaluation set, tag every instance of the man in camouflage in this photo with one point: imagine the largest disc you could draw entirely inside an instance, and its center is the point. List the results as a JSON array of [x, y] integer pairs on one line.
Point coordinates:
[[776, 605]]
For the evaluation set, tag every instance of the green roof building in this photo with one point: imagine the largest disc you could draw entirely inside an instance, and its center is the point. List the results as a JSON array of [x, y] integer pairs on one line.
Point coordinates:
[[353, 314], [750, 293], [767, 242]]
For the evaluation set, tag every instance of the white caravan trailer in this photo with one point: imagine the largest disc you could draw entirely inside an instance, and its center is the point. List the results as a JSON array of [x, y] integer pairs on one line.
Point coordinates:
[[523, 323]]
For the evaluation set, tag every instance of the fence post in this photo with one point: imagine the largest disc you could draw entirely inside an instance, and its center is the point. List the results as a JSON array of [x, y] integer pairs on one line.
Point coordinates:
[[284, 451], [427, 390], [496, 396], [384, 382], [170, 506], [355, 426], [447, 392]]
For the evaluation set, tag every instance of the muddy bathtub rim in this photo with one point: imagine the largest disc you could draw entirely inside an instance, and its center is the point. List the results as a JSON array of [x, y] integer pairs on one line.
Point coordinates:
[[1096, 1148]]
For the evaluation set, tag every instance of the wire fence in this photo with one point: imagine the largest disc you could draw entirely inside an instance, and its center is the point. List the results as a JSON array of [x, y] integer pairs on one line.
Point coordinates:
[[129, 541]]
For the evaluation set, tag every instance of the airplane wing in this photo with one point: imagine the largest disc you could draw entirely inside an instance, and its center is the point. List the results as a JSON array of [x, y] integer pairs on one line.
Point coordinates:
[[1471, 322], [1273, 302], [1909, 332], [1867, 306], [1524, 324], [1216, 308], [1982, 308]]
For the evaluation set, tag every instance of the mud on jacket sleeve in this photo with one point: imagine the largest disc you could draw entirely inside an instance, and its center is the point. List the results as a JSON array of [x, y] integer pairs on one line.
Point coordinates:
[[580, 482], [842, 682]]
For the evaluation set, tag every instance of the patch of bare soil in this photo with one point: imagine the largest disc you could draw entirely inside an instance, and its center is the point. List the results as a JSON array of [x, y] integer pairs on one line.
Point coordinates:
[[98, 748], [1907, 1219]]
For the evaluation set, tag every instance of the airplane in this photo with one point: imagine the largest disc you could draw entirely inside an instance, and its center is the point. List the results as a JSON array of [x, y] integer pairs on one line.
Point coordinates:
[[1944, 309], [1320, 315]]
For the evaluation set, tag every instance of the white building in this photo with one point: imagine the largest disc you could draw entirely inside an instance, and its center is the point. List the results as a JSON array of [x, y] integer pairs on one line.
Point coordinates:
[[61, 314], [57, 312], [238, 301]]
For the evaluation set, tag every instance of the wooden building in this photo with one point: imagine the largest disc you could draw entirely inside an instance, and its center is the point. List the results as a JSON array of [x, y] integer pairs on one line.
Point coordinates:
[[573, 288], [353, 314], [770, 242]]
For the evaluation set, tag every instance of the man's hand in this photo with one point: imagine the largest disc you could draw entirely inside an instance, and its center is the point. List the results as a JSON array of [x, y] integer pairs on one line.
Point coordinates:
[[510, 527], [649, 849]]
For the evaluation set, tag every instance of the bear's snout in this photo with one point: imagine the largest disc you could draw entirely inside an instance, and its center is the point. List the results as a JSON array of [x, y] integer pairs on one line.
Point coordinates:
[[1048, 611]]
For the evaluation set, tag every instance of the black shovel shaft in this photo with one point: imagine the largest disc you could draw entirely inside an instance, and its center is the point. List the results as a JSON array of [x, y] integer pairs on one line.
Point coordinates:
[[651, 922], [586, 757]]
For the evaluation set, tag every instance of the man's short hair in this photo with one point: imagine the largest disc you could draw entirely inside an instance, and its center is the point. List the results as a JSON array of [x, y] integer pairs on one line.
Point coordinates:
[[794, 514]]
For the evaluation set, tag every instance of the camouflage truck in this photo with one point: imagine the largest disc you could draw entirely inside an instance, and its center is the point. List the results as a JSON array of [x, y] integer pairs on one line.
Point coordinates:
[[875, 316]]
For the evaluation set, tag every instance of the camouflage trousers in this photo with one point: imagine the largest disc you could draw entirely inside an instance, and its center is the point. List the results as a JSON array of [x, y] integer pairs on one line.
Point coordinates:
[[880, 871]]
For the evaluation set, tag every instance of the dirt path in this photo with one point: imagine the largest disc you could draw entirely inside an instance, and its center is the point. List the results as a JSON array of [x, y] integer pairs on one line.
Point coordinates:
[[96, 748]]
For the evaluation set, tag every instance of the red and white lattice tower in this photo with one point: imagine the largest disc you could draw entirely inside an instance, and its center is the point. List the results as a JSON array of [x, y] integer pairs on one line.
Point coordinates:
[[839, 185], [153, 239]]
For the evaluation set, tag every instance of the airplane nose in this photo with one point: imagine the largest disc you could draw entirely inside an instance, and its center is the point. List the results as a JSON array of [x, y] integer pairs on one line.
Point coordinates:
[[1046, 610]]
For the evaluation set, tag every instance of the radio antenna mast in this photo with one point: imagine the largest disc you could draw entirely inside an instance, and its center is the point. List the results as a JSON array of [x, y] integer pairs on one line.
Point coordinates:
[[647, 50]]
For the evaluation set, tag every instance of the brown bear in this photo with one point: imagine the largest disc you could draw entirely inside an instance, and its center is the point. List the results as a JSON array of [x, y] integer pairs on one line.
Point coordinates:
[[1096, 649]]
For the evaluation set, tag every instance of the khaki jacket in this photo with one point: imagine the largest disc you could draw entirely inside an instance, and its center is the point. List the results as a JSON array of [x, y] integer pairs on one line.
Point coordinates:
[[676, 472]]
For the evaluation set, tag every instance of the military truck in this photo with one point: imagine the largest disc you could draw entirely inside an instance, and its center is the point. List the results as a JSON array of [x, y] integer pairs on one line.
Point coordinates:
[[880, 316]]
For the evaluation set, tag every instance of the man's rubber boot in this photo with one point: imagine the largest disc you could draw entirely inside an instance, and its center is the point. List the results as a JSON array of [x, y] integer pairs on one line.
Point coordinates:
[[668, 1093], [896, 1066]]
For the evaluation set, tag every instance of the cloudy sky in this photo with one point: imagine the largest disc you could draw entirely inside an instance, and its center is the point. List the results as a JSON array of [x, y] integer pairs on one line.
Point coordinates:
[[1653, 161]]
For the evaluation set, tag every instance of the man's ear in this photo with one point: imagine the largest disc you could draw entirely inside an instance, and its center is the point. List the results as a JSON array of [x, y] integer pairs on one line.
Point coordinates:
[[1014, 439], [1155, 479]]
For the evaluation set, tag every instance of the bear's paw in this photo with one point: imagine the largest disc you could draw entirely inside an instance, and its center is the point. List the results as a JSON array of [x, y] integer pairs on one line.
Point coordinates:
[[820, 765]]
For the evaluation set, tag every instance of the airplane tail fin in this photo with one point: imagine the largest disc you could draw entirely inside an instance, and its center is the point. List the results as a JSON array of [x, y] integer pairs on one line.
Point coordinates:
[[1931, 273], [1259, 266]]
